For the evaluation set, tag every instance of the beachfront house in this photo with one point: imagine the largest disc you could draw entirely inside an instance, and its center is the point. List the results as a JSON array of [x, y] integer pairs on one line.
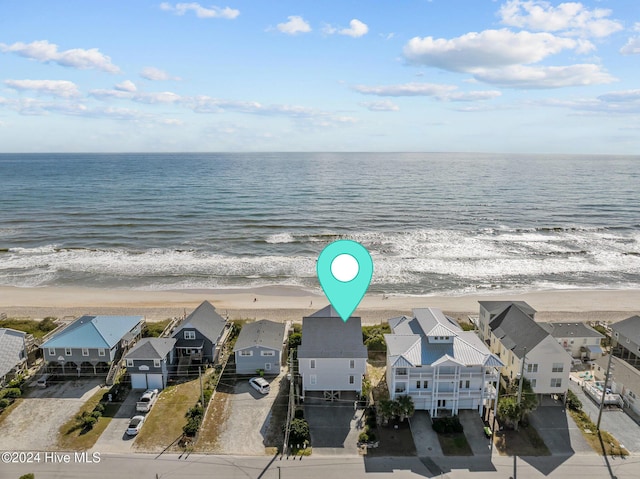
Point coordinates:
[[149, 361], [259, 347], [13, 354], [442, 368], [579, 339], [332, 357], [624, 380], [491, 309], [522, 344], [90, 344], [199, 337], [625, 340]]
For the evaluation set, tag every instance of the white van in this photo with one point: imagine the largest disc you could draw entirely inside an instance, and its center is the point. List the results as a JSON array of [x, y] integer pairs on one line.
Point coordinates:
[[43, 381]]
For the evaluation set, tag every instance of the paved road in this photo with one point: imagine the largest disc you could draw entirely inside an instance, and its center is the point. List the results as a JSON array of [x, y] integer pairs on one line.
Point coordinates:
[[231, 467]]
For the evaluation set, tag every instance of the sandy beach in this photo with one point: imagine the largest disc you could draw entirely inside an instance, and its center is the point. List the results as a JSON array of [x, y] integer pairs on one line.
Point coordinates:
[[290, 303]]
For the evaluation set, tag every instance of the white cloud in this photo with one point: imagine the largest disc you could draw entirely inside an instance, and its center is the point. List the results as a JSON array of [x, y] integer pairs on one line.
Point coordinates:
[[520, 76], [155, 74], [487, 49], [295, 25], [45, 52], [476, 95], [626, 102], [384, 105], [636, 27], [632, 47], [570, 18], [621, 96], [200, 11], [436, 90], [171, 122], [356, 29], [126, 85], [149, 98], [61, 88]]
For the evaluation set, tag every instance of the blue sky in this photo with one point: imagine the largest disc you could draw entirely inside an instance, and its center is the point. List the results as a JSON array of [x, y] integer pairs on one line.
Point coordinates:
[[416, 75]]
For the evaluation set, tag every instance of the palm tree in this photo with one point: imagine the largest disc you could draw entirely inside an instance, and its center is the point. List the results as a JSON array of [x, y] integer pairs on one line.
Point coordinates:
[[385, 411], [405, 407]]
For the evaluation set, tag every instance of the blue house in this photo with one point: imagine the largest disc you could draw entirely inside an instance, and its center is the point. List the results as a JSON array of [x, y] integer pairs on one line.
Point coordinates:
[[90, 344]]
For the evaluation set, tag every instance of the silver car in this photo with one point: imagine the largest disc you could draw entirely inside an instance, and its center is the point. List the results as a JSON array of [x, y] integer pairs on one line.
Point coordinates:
[[135, 425]]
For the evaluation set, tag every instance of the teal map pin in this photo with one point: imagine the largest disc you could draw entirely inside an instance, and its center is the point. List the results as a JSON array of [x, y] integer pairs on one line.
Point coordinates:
[[344, 270]]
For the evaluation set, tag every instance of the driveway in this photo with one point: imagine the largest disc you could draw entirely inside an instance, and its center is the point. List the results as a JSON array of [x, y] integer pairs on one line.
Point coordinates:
[[247, 419], [615, 421], [474, 432], [558, 430], [335, 426], [35, 423], [424, 437], [113, 438]]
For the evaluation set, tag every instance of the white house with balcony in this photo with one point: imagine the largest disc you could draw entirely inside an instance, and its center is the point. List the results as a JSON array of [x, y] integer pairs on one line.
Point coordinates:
[[442, 368]]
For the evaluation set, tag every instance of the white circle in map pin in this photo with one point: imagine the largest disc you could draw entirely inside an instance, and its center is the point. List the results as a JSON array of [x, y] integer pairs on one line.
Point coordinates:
[[344, 267]]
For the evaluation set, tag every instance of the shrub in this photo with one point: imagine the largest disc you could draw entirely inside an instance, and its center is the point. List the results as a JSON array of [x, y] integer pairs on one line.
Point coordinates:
[[363, 437], [4, 403], [299, 434], [195, 412], [573, 402], [207, 395], [16, 382], [372, 436], [28, 476], [447, 425], [96, 414], [191, 428], [99, 407], [295, 340], [11, 393], [299, 414], [88, 422]]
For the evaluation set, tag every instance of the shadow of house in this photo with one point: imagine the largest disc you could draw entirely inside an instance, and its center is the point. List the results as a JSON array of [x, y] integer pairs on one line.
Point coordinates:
[[329, 421], [272, 428]]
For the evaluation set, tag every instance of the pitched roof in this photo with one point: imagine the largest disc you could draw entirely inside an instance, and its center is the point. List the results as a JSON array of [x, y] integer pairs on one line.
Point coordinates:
[[408, 345], [571, 330], [629, 328], [151, 348], [496, 307], [326, 335], [268, 334], [517, 331], [205, 319], [11, 347], [94, 332]]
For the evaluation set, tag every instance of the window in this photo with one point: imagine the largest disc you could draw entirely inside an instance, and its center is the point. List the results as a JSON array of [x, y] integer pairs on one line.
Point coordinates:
[[267, 366], [425, 384], [533, 382], [442, 403], [401, 372], [313, 379], [101, 352], [557, 368], [512, 359], [67, 352], [584, 341], [312, 363], [400, 388], [52, 351], [352, 379], [418, 384], [352, 363], [556, 382], [156, 363], [246, 352], [464, 384], [189, 335], [267, 353], [129, 363], [85, 352], [532, 368]]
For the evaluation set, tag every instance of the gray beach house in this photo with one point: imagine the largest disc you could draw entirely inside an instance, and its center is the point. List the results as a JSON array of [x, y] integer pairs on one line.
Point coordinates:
[[148, 362], [259, 347], [13, 353], [90, 344]]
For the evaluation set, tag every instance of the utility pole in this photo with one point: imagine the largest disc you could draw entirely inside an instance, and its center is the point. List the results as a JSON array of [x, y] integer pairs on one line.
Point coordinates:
[[201, 390], [495, 412], [520, 387], [604, 390]]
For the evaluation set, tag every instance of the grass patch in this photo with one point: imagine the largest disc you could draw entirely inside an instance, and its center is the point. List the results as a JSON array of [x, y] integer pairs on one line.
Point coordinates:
[[73, 438], [609, 445], [454, 444], [392, 441], [524, 442], [216, 417], [154, 329], [30, 326], [163, 426]]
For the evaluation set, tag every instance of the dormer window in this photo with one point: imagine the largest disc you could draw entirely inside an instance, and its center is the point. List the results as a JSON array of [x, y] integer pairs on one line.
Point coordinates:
[[189, 335]]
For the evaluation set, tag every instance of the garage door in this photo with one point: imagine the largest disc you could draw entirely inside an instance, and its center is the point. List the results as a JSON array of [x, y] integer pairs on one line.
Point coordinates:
[[154, 381], [139, 381]]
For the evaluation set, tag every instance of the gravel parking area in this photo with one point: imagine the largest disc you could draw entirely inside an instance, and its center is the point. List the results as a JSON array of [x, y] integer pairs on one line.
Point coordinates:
[[247, 417], [34, 425]]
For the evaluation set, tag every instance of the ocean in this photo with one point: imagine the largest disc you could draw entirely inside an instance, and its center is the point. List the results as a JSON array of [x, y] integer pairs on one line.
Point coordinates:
[[435, 223]]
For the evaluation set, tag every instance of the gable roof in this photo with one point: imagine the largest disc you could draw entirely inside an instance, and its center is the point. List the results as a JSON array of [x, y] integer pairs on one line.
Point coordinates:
[[205, 319], [326, 335], [94, 332], [629, 328], [571, 330], [151, 348], [497, 307], [265, 333], [517, 331], [11, 347], [408, 344]]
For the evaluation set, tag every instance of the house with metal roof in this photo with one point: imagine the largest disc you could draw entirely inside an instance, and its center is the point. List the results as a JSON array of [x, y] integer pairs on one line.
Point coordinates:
[[625, 340], [149, 361], [332, 358], [13, 353], [200, 336], [259, 347], [579, 339], [91, 343], [624, 380], [442, 368], [516, 338]]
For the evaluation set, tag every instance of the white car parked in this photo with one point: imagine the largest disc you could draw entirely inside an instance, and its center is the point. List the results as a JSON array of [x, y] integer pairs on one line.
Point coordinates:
[[135, 425], [260, 384]]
